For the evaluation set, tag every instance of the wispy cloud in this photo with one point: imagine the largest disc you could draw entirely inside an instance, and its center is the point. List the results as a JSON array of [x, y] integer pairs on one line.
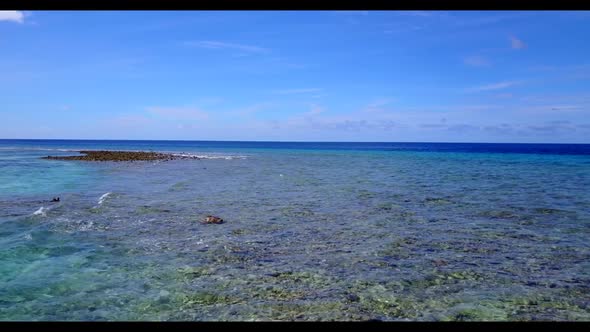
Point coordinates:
[[210, 101], [487, 20], [553, 126], [315, 109], [353, 17], [250, 110], [380, 102], [476, 61], [377, 105], [521, 130], [424, 14], [566, 108], [402, 26], [461, 127], [500, 129], [476, 108], [552, 109], [12, 15], [179, 112], [433, 125], [297, 91], [516, 43], [317, 120], [352, 12], [357, 125], [491, 87], [559, 99], [217, 45], [354, 125], [416, 13]]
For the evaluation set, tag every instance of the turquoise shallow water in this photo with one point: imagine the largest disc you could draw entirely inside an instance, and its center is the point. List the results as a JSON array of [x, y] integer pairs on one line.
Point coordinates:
[[344, 231]]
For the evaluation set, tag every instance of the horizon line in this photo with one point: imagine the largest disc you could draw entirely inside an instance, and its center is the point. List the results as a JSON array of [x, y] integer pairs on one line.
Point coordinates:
[[266, 141]]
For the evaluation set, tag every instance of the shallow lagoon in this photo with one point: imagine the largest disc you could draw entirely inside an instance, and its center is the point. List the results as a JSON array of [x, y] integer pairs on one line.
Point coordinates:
[[310, 234]]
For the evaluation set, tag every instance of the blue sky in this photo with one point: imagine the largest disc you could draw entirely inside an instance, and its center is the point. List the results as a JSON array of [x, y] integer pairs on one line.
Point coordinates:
[[426, 76]]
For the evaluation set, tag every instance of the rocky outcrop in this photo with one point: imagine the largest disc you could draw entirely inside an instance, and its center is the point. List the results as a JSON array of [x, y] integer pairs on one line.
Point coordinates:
[[212, 220], [121, 156]]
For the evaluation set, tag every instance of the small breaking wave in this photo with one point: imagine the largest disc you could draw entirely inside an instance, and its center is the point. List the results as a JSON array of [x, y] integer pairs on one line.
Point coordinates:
[[103, 198], [42, 211], [207, 156]]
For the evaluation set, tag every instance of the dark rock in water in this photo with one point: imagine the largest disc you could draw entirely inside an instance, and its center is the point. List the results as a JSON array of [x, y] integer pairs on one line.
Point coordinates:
[[547, 211], [55, 199], [440, 262], [498, 214], [121, 156], [213, 220], [436, 200], [353, 298]]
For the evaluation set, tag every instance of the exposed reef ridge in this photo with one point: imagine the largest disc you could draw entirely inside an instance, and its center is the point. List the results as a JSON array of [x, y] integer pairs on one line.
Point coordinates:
[[122, 156]]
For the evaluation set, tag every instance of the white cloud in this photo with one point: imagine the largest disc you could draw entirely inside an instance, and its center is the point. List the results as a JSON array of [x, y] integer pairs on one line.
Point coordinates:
[[504, 95], [549, 109], [377, 105], [380, 102], [416, 13], [487, 20], [210, 44], [315, 109], [516, 43], [12, 15], [250, 110], [352, 12], [491, 87], [566, 108], [433, 125]]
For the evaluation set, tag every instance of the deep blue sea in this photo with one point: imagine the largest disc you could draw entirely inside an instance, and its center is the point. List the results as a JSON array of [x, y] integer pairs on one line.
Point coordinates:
[[313, 231]]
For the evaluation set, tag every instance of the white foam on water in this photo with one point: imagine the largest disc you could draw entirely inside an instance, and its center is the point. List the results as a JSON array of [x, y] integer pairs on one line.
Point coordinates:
[[103, 198], [207, 156], [86, 226], [41, 212], [62, 150]]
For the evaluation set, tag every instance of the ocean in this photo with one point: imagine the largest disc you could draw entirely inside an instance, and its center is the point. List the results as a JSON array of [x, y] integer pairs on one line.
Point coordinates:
[[313, 231]]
